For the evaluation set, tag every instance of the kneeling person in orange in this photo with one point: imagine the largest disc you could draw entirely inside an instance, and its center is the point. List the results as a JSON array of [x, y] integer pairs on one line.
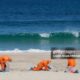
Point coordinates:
[[42, 65]]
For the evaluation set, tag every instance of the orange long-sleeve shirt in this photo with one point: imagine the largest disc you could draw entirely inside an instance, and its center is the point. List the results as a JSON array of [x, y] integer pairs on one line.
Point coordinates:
[[72, 62]]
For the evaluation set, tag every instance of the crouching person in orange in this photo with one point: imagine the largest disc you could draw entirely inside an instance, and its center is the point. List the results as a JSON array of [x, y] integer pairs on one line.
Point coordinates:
[[3, 62], [42, 65], [71, 65]]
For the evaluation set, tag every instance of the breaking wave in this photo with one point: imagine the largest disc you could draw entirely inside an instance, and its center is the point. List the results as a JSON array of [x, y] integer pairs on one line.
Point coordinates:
[[35, 36]]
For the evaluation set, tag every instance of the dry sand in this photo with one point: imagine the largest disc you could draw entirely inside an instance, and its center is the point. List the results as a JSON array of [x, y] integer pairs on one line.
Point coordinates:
[[38, 76], [19, 68]]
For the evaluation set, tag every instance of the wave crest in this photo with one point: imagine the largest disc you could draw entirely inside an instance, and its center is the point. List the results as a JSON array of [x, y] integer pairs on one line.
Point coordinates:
[[45, 35], [39, 36], [76, 34]]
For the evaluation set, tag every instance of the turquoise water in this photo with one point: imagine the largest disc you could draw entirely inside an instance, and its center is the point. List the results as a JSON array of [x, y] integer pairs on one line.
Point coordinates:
[[39, 34]]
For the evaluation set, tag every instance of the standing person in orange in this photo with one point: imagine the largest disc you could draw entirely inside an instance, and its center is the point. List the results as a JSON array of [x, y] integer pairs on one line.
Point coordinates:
[[71, 63], [42, 65]]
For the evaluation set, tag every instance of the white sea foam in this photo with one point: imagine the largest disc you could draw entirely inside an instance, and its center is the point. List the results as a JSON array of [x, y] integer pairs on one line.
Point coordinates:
[[76, 34], [45, 35], [11, 51], [37, 50], [24, 51]]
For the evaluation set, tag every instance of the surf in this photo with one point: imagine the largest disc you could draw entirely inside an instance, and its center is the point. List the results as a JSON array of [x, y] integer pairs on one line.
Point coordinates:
[[26, 36]]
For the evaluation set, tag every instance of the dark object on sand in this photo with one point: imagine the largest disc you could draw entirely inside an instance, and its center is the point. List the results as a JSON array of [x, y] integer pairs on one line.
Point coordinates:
[[76, 71], [52, 49]]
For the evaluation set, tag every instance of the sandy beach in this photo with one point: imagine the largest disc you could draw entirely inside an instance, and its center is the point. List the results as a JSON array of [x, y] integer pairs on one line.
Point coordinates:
[[22, 62], [38, 76]]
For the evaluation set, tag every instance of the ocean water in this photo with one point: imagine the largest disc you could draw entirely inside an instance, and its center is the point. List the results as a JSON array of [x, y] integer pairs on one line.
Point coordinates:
[[38, 24], [39, 35]]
